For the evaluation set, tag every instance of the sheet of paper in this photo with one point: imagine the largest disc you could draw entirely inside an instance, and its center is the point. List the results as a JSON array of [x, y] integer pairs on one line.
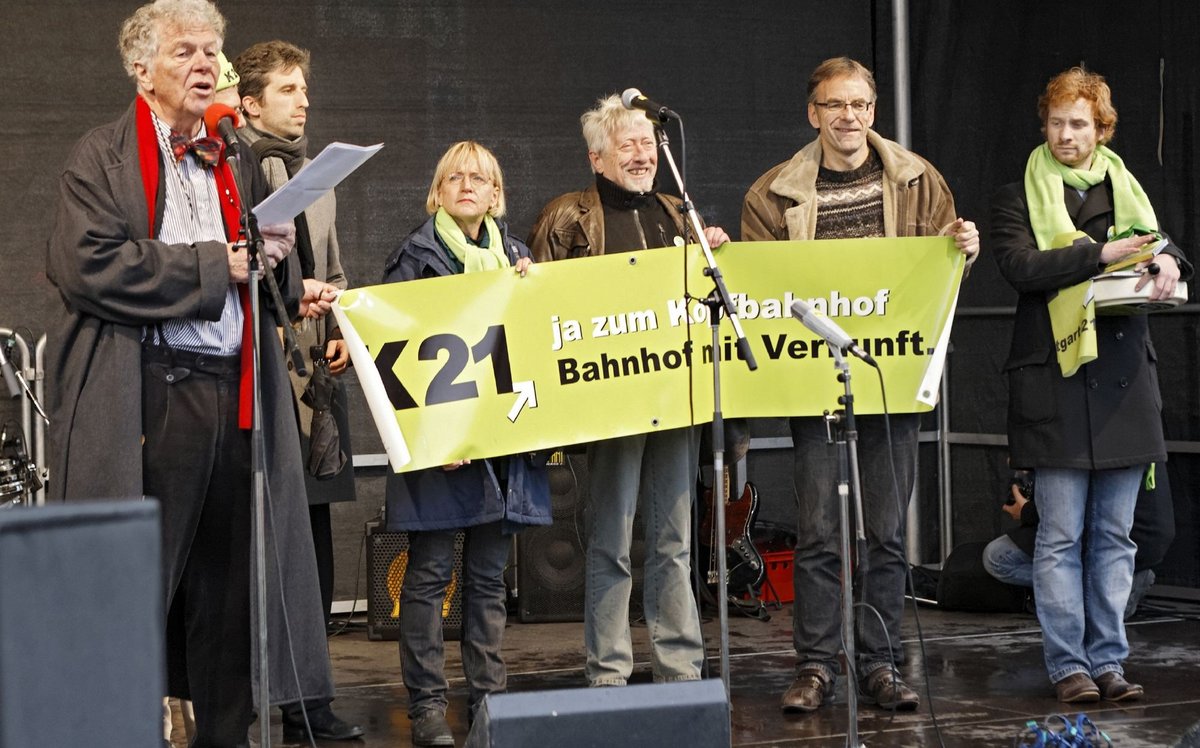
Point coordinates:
[[320, 175]]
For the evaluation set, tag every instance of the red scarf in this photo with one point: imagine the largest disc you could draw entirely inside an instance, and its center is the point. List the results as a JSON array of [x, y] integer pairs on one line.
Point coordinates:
[[231, 212]]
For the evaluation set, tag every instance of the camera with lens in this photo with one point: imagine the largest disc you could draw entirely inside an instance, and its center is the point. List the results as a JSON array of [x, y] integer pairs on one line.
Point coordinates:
[[1023, 480]]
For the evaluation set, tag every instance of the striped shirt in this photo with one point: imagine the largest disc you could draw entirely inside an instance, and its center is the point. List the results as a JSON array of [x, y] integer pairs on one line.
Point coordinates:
[[192, 213]]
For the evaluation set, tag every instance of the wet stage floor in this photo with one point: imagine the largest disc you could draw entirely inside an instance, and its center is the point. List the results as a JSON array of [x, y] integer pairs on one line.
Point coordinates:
[[985, 673]]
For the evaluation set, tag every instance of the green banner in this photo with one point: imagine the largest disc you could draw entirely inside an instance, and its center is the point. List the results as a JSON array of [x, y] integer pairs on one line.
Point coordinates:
[[486, 364]]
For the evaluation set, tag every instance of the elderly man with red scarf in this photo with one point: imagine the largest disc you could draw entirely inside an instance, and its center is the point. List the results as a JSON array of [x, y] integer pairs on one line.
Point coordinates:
[[147, 362]]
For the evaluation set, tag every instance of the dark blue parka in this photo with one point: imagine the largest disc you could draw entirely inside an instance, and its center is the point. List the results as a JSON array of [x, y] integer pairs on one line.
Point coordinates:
[[437, 499]]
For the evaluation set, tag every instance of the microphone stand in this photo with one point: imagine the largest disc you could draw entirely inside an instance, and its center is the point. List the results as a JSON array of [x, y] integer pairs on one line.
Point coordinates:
[[259, 270], [717, 301], [842, 430]]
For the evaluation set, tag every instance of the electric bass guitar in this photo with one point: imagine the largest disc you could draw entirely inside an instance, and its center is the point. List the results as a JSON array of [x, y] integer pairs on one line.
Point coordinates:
[[744, 567]]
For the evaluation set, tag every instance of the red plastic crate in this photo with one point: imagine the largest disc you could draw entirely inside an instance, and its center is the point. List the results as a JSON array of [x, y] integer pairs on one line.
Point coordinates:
[[779, 572]]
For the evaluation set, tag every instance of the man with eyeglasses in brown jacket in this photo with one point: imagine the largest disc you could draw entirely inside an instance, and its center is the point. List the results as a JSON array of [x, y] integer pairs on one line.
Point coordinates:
[[851, 183]]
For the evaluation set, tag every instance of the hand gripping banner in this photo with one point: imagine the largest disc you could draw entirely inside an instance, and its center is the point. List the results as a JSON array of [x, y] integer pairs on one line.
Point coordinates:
[[487, 364]]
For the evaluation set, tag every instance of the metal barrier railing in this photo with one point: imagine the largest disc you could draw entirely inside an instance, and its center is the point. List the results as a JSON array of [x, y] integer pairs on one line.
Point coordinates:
[[22, 468]]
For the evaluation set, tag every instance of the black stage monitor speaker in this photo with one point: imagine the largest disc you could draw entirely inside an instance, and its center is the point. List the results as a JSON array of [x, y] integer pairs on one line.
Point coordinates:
[[387, 560], [1191, 738], [690, 713], [550, 558], [81, 626]]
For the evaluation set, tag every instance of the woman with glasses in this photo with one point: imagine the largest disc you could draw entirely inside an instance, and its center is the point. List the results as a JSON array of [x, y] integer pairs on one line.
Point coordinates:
[[488, 500]]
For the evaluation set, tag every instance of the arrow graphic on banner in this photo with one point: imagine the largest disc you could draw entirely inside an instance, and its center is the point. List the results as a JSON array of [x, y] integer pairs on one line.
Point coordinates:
[[526, 395]]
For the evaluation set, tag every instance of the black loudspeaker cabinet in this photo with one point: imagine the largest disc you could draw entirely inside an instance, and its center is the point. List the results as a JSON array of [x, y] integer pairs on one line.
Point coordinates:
[[1190, 739], [81, 626], [550, 558], [691, 713], [387, 560]]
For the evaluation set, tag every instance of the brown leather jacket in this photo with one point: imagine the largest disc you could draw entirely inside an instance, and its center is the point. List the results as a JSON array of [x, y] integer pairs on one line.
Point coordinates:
[[572, 225], [782, 204]]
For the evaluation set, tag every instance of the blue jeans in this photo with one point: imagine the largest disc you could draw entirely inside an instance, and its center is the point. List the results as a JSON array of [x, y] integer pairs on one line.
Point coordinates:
[[1083, 567], [660, 468], [422, 650], [817, 612], [1005, 561]]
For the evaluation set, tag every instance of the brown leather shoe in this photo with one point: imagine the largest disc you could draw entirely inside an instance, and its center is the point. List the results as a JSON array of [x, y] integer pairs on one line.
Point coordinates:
[[884, 687], [808, 692], [1077, 688], [1114, 687]]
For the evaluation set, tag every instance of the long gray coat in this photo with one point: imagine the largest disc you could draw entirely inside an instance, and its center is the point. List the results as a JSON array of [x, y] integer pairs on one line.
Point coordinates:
[[327, 266], [113, 279]]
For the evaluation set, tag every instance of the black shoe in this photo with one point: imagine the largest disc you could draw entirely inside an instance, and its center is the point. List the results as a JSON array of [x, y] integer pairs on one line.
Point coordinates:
[[429, 728], [325, 725]]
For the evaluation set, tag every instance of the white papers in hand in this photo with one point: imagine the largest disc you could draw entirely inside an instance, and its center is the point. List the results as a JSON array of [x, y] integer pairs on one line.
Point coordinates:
[[320, 175]]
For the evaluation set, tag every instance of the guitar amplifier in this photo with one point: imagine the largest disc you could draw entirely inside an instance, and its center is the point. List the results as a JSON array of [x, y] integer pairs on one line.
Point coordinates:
[[387, 560]]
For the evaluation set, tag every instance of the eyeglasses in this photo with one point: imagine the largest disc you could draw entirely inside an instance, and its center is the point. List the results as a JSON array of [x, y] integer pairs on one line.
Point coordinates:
[[858, 106], [477, 180]]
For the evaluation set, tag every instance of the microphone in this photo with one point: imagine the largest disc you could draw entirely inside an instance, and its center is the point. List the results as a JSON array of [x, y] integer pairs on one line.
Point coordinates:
[[224, 121], [633, 99], [10, 374], [828, 330]]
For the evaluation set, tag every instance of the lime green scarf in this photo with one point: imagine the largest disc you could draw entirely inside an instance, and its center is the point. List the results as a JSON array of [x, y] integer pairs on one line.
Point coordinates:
[[1072, 309], [473, 257], [1044, 180]]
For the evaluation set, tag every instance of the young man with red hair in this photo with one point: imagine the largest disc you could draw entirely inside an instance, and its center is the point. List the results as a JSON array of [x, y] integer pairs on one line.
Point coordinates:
[[1090, 426]]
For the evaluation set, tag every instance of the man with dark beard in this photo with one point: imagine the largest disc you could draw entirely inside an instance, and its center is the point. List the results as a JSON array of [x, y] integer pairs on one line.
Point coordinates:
[[273, 86]]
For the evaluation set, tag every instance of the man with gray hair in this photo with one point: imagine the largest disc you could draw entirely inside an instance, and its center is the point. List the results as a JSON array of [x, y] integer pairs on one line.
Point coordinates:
[[147, 363], [624, 211]]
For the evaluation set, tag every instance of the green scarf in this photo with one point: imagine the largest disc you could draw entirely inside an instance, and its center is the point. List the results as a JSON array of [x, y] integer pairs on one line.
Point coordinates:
[[1044, 180], [473, 257], [1073, 309]]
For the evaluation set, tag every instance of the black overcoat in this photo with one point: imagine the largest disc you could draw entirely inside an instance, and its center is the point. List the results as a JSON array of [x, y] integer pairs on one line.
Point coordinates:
[[1108, 414]]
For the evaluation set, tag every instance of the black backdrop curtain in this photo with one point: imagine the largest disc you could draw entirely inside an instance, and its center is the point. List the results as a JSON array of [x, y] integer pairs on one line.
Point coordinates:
[[419, 75]]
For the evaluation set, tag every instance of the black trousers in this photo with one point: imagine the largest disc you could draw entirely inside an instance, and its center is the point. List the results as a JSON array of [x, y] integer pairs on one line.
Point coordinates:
[[322, 533], [196, 462]]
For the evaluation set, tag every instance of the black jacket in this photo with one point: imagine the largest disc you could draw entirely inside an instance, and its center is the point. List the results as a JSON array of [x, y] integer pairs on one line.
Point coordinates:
[[1108, 414]]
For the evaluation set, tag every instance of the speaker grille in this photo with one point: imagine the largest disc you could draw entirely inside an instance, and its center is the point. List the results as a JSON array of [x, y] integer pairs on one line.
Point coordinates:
[[550, 559], [387, 560]]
